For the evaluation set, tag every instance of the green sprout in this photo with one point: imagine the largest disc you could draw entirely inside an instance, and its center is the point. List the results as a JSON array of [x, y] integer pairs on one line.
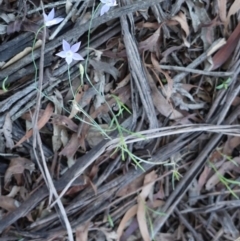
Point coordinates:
[[224, 84], [110, 221], [4, 84], [225, 181]]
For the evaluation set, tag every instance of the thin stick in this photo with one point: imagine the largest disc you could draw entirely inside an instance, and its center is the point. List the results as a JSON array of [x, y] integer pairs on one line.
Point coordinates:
[[196, 71], [50, 5]]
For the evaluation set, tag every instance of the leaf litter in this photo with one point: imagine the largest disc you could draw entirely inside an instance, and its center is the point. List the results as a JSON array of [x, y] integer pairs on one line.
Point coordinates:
[[173, 67]]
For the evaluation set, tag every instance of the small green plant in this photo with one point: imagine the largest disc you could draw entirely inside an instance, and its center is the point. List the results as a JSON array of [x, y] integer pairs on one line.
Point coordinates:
[[175, 173], [148, 216], [4, 84], [224, 84], [229, 158], [110, 221], [225, 181]]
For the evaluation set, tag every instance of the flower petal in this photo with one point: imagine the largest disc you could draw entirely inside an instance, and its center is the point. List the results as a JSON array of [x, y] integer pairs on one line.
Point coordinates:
[[105, 8], [75, 47], [77, 57], [104, 1], [114, 3], [51, 14], [45, 17], [61, 54], [57, 20], [66, 45], [69, 59]]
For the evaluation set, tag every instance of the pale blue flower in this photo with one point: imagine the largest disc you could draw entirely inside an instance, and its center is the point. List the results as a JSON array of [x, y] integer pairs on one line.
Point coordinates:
[[69, 53], [107, 4], [49, 19]]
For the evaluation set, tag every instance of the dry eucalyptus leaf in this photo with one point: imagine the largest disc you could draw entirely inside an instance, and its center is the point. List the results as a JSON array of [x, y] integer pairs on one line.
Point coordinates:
[[161, 104], [105, 67], [149, 181], [8, 203], [22, 54], [94, 136], [7, 131], [152, 43], [82, 232], [17, 166], [68, 6]]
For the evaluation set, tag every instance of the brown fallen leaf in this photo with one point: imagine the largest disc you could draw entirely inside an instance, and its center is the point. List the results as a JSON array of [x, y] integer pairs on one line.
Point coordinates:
[[161, 104], [42, 121], [22, 54], [64, 121], [75, 109], [203, 177], [152, 43], [123, 96], [182, 20], [82, 232], [8, 203], [127, 216], [55, 119], [231, 143], [168, 78], [94, 136], [149, 181], [226, 51], [17, 166], [71, 148], [131, 187]]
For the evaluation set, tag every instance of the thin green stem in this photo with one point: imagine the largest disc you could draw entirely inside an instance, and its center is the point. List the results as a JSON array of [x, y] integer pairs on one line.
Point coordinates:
[[34, 63], [70, 84]]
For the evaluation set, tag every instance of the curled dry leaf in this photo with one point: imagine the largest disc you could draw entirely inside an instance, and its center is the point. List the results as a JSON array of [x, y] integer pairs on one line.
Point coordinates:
[[149, 181], [70, 149], [7, 131], [82, 232], [75, 108], [64, 121], [168, 92], [182, 20], [152, 43], [161, 104], [8, 203], [17, 166], [94, 136], [231, 143], [42, 121], [14, 191], [105, 67]]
